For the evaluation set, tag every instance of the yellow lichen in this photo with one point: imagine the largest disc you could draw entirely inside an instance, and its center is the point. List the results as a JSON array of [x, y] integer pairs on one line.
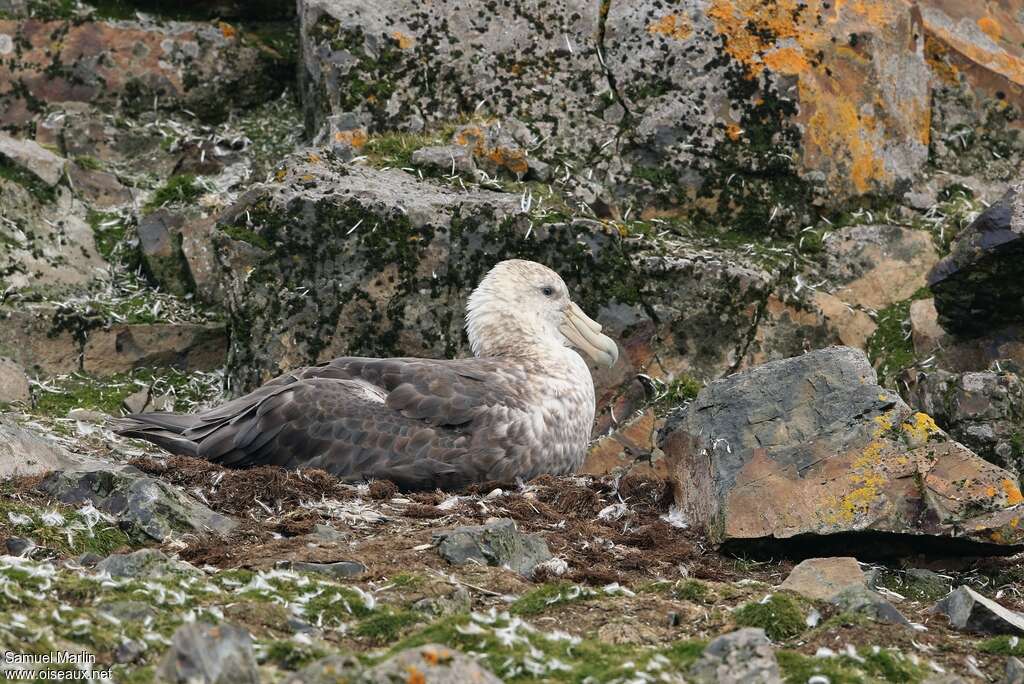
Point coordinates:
[[355, 138], [919, 428], [404, 41], [672, 26], [1013, 495], [991, 28]]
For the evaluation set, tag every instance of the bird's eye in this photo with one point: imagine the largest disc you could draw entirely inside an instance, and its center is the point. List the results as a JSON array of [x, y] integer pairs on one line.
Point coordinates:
[[547, 290]]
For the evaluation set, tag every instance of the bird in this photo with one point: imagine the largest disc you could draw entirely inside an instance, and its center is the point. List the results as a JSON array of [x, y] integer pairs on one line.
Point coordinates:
[[522, 406]]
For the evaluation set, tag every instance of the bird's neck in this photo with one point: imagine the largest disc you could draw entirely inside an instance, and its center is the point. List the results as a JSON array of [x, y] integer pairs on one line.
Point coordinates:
[[500, 335]]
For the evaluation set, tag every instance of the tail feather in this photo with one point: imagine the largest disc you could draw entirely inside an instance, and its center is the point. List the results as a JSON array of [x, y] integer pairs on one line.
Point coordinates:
[[166, 430]]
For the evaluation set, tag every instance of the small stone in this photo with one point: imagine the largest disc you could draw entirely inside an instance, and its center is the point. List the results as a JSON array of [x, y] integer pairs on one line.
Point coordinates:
[[459, 601], [1014, 671], [129, 651], [969, 611], [142, 563], [128, 611], [14, 385], [16, 546], [823, 578], [334, 669], [857, 599], [326, 533], [33, 158], [925, 331], [87, 416], [89, 559], [202, 652], [498, 543], [446, 159], [741, 657]]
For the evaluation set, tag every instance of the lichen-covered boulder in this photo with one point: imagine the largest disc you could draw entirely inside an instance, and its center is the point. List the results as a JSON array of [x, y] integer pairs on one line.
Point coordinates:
[[979, 286], [812, 450], [134, 65], [717, 109]]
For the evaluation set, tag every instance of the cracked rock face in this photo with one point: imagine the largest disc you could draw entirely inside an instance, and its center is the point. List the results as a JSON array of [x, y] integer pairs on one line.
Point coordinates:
[[200, 67], [813, 446], [720, 105]]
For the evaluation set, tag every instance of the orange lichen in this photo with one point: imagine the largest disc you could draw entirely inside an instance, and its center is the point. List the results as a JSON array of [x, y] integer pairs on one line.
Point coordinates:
[[415, 676], [733, 131], [227, 30], [672, 26], [511, 158], [355, 138], [991, 28], [786, 60], [1013, 495], [404, 40], [314, 158]]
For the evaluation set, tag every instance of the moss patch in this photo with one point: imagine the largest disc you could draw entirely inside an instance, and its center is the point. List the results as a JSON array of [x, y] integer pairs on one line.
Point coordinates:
[[780, 616], [890, 347], [182, 189], [870, 666]]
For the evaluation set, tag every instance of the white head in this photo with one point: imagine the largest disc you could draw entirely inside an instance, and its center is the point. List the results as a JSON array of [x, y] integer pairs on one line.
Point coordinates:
[[521, 306]]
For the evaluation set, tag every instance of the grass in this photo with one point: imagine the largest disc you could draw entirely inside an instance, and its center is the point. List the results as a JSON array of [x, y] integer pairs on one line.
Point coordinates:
[[690, 590], [1003, 645], [386, 625], [58, 527], [780, 616], [874, 666], [182, 189], [890, 348], [538, 600], [79, 390]]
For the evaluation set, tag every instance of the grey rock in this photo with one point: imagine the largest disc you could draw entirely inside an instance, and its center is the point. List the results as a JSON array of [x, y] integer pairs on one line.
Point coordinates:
[[13, 383], [327, 533], [338, 570], [220, 654], [979, 286], [129, 651], [143, 563], [89, 559], [334, 669], [25, 452], [969, 611], [160, 246], [16, 546], [866, 602], [145, 507], [740, 657], [498, 543], [438, 665], [459, 601], [813, 445], [445, 159], [31, 157], [145, 400], [982, 409], [1014, 671]]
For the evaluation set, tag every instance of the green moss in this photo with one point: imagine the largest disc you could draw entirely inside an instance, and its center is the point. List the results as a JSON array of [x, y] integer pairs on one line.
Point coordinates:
[[73, 535], [251, 237], [87, 162], [336, 606], [108, 230], [292, 655], [881, 666], [690, 590], [1003, 645], [538, 600], [386, 625], [80, 390], [890, 348], [182, 188], [780, 617], [677, 392]]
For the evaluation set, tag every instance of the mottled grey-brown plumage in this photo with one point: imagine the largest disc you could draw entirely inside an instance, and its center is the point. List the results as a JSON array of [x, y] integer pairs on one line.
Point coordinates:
[[523, 407]]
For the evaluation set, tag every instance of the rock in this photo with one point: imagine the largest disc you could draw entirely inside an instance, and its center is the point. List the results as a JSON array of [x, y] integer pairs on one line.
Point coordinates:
[[160, 245], [979, 286], [1014, 671], [128, 610], [925, 331], [219, 654], [620, 451], [740, 657], [198, 251], [445, 159], [813, 446], [431, 664], [145, 400], [142, 563], [133, 65], [458, 601], [497, 543], [984, 410], [823, 578], [100, 189], [89, 559], [17, 546], [32, 158], [860, 599], [969, 611], [338, 570], [498, 147], [129, 651], [25, 452], [873, 266], [326, 533], [661, 85], [185, 346], [145, 507], [334, 669], [14, 385]]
